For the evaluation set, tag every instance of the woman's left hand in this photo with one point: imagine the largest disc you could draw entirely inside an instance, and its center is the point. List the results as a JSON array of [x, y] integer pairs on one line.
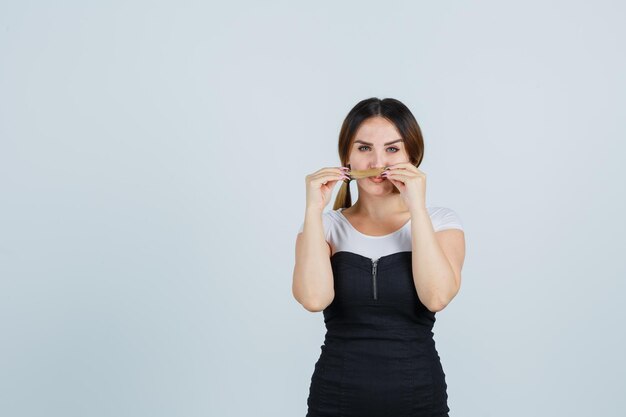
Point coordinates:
[[411, 183]]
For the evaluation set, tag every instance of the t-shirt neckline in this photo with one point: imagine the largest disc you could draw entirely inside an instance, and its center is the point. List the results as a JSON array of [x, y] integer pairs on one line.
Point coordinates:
[[370, 236]]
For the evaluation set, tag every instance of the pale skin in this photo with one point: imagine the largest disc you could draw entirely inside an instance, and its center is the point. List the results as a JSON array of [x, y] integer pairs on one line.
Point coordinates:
[[437, 257]]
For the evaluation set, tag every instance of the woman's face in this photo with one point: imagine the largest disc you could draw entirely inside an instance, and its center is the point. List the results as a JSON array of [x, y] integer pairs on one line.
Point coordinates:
[[377, 144]]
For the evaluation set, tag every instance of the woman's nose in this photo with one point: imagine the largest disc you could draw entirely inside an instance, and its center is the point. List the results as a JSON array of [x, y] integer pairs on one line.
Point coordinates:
[[379, 163]]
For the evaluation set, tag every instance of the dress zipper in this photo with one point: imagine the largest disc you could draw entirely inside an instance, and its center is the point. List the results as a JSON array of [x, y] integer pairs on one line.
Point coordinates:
[[374, 264]]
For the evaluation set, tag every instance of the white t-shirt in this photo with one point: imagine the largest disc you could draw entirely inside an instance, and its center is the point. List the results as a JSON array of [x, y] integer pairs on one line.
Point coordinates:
[[342, 236]]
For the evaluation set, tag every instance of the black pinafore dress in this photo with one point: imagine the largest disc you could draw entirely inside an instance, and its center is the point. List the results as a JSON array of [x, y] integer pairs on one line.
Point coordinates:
[[379, 357]]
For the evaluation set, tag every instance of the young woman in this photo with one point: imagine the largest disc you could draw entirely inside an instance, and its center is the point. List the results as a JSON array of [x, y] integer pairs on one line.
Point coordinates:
[[379, 269]]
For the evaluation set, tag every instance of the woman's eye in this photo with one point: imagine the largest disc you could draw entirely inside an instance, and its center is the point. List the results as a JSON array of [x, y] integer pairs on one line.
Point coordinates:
[[391, 147]]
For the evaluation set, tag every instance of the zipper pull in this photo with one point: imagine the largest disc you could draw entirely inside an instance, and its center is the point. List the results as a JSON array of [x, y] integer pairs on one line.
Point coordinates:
[[374, 265]]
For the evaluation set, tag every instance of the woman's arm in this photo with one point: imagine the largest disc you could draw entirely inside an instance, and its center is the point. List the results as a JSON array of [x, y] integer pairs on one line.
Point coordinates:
[[312, 274], [437, 259]]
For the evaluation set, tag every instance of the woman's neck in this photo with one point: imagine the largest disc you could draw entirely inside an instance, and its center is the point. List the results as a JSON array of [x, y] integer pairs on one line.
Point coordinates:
[[379, 208]]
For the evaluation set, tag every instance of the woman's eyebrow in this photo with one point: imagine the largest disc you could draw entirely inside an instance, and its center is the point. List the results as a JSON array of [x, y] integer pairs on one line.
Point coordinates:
[[371, 144]]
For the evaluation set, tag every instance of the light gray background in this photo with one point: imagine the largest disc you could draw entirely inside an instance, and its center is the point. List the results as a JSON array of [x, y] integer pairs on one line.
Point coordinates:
[[152, 163]]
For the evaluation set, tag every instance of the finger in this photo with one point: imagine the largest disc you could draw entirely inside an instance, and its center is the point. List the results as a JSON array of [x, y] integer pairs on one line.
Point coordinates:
[[327, 170], [400, 175], [341, 170], [330, 171], [403, 166], [396, 178], [335, 169], [324, 178]]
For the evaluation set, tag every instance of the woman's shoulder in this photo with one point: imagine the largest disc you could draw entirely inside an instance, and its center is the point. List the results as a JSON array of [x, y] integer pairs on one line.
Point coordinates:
[[328, 218], [444, 218]]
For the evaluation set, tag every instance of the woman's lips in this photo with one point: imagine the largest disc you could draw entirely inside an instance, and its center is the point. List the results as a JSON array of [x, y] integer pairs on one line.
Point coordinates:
[[377, 180]]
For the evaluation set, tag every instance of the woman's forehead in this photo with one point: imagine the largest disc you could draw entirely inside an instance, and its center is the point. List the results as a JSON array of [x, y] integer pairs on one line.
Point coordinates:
[[377, 131]]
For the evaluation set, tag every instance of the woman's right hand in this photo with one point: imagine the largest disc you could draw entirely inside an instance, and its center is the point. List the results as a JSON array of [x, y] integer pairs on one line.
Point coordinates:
[[320, 184]]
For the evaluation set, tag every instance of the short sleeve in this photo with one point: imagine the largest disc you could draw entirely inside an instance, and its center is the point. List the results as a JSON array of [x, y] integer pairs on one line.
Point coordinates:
[[445, 218], [326, 221]]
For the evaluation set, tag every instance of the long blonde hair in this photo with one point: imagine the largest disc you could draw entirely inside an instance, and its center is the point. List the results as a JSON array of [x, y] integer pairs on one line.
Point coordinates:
[[394, 111]]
